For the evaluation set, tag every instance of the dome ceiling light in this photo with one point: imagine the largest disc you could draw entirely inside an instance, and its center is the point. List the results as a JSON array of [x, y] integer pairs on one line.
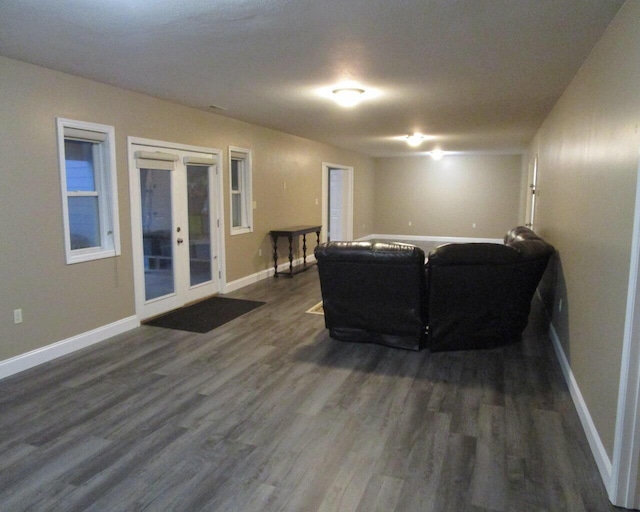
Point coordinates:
[[437, 154], [347, 96], [415, 140]]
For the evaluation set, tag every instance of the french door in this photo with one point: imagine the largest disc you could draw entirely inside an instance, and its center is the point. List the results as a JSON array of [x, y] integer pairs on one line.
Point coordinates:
[[175, 210]]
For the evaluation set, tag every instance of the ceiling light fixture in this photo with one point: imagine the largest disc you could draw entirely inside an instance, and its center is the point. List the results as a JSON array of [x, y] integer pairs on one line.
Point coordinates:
[[348, 96], [415, 140], [437, 154]]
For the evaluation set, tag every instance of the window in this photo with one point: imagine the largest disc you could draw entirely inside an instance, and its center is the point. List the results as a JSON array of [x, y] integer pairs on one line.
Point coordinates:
[[89, 194], [240, 181]]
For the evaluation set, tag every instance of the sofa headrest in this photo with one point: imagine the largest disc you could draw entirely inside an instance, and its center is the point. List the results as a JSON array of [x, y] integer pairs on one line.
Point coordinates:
[[521, 245], [369, 252], [532, 249], [473, 254]]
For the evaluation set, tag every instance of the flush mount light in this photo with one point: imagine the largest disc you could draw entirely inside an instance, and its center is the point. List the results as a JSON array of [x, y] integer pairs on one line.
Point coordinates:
[[437, 154], [347, 96], [415, 140]]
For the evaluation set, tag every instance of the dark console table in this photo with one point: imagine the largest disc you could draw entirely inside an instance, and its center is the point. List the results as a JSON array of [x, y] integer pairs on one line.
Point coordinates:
[[291, 233]]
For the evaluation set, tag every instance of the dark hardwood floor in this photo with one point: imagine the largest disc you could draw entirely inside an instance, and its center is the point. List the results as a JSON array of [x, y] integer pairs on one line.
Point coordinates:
[[267, 413]]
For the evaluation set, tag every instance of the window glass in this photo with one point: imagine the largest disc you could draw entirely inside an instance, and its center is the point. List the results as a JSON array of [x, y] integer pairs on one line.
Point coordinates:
[[235, 179], [79, 165], [84, 222], [237, 210]]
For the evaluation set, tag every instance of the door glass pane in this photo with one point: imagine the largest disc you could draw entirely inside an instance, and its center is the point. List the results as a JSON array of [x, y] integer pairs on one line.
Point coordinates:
[[199, 229], [155, 200], [84, 222]]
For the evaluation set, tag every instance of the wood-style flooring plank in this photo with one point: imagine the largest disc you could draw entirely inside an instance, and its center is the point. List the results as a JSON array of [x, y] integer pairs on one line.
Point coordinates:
[[268, 413]]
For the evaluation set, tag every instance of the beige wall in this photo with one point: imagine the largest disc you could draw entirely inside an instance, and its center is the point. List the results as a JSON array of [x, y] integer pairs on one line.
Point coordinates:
[[59, 300], [445, 197], [588, 162]]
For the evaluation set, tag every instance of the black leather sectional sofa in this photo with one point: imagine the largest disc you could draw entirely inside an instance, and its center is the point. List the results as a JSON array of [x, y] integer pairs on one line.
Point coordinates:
[[466, 296]]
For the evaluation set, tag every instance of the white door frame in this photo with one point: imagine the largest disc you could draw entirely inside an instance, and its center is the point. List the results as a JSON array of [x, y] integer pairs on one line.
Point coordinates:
[[217, 227], [532, 186], [347, 207], [623, 486]]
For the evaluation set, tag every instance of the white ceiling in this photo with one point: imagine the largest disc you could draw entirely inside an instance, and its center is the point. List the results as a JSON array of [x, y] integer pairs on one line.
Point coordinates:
[[477, 75]]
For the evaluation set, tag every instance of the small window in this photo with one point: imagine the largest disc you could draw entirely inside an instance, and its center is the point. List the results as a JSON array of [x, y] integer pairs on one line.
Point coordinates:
[[240, 185], [89, 194]]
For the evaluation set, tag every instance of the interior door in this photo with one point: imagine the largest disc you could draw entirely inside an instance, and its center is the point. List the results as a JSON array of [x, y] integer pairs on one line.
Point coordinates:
[[335, 230], [337, 202], [174, 215]]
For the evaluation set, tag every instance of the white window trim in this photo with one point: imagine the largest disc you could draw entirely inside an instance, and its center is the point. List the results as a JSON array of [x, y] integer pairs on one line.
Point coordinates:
[[246, 180], [106, 186]]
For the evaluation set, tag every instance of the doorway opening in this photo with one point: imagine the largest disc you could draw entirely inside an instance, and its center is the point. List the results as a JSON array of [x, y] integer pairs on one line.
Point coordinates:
[[337, 202]]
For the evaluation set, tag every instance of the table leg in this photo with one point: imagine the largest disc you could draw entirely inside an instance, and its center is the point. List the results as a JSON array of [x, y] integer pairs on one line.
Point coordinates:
[[274, 241], [304, 249], [291, 255]]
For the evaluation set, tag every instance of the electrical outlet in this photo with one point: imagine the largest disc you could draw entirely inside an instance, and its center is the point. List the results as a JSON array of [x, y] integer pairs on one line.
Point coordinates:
[[473, 225], [316, 201], [17, 316], [410, 223]]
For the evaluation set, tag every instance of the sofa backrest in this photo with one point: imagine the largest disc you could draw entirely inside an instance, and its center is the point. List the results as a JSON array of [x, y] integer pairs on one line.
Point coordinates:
[[480, 294], [374, 287]]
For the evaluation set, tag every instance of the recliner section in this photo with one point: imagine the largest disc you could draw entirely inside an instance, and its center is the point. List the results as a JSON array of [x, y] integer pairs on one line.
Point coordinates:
[[373, 292]]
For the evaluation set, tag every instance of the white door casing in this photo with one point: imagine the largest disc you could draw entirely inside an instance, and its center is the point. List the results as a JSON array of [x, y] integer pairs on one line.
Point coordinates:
[[624, 490]]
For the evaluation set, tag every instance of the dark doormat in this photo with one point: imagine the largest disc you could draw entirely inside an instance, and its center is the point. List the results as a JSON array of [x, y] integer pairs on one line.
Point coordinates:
[[206, 315]]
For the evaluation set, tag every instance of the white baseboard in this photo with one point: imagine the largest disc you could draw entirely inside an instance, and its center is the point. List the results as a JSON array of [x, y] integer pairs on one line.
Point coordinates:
[[263, 274], [442, 239], [595, 443], [62, 348]]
